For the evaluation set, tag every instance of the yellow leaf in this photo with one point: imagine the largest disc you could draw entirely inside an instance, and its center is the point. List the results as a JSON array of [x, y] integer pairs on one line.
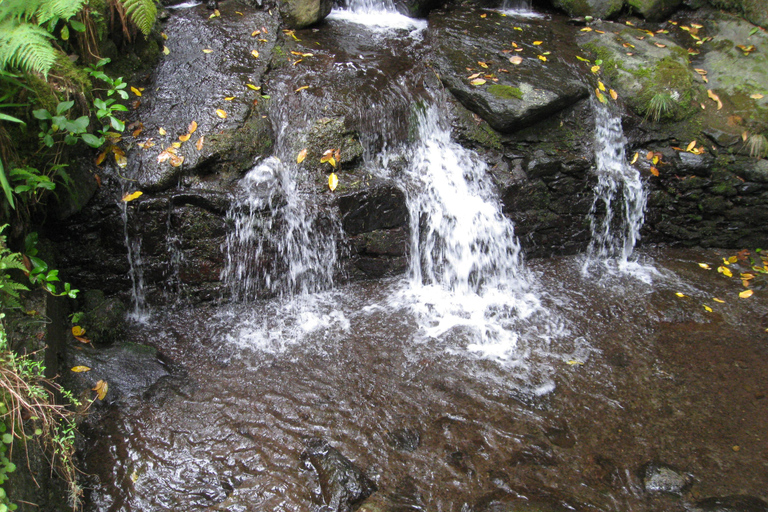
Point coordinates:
[[709, 309], [146, 144], [199, 143], [680, 294], [715, 98], [255, 53], [537, 43], [135, 91], [691, 145], [229, 98], [251, 86], [725, 271], [103, 155], [600, 96], [582, 59], [164, 36], [747, 276], [655, 160], [166, 51], [184, 138], [482, 64], [613, 94], [161, 131], [518, 28], [746, 294], [721, 301], [477, 81], [101, 389], [221, 113], [660, 45], [586, 29], [207, 50], [302, 88], [595, 69], [634, 158], [238, 12], [473, 76], [176, 160], [255, 33], [120, 159], [302, 156], [176, 144], [333, 181], [733, 259], [542, 58], [127, 197], [516, 60], [704, 266], [77, 330], [215, 14], [756, 96], [307, 54], [80, 369], [192, 127], [599, 31], [574, 362], [601, 86]]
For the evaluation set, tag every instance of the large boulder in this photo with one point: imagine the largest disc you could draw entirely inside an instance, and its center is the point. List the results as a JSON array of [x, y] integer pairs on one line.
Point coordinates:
[[595, 8], [473, 62], [654, 10], [753, 10], [303, 13]]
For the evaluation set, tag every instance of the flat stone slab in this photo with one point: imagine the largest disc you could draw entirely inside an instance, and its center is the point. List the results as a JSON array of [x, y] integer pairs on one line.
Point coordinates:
[[203, 77], [477, 45]]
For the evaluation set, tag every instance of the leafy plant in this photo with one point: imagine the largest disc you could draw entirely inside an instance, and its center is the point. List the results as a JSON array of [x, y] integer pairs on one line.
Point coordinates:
[[9, 287], [105, 109], [659, 106], [758, 145], [53, 124], [142, 13], [41, 274]]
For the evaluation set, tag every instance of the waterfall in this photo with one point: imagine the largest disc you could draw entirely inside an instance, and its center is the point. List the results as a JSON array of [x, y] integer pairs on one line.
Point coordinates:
[[279, 244], [139, 311], [618, 210]]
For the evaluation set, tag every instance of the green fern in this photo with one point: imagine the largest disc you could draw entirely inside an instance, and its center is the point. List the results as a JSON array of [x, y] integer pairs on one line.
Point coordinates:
[[9, 289], [25, 44], [142, 13]]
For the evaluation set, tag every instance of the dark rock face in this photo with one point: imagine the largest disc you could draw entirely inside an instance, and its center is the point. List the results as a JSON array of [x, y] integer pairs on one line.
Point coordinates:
[[658, 477], [343, 485], [527, 93], [404, 439], [731, 504], [594, 8], [503, 502]]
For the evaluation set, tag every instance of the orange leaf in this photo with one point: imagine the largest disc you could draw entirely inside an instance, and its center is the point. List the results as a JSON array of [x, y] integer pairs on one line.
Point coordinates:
[[184, 138], [82, 339], [654, 171], [79, 369], [302, 155], [192, 127], [746, 294], [199, 143], [101, 389], [77, 331]]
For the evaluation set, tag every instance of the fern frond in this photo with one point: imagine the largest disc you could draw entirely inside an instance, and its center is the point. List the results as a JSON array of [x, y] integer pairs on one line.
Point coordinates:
[[21, 10], [142, 13], [26, 47], [50, 9]]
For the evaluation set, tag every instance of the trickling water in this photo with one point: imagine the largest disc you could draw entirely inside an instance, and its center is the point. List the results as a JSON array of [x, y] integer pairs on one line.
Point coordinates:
[[376, 13], [139, 311], [279, 244], [618, 210]]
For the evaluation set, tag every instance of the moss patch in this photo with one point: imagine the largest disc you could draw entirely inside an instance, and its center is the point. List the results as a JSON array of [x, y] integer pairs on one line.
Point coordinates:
[[506, 92]]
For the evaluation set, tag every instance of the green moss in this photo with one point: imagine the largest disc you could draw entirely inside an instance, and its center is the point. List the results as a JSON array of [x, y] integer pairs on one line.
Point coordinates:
[[506, 92]]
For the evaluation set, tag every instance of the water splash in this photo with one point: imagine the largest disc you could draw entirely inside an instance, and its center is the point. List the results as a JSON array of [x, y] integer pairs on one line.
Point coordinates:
[[376, 14], [519, 8], [139, 311], [618, 210], [280, 245]]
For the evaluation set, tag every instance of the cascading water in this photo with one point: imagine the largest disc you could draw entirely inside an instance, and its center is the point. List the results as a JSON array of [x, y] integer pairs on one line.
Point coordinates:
[[618, 210], [277, 245], [135, 270]]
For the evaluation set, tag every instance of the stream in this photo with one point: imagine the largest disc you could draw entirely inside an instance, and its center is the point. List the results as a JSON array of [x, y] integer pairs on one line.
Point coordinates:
[[476, 381]]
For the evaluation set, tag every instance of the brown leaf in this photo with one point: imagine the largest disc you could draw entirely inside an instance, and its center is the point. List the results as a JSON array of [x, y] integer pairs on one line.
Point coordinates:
[[199, 143], [192, 127], [101, 388], [715, 97]]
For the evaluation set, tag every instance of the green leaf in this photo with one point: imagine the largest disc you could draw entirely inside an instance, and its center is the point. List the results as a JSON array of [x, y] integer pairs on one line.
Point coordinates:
[[92, 140], [77, 26], [7, 438], [42, 114], [65, 33], [11, 119], [7, 190], [64, 106]]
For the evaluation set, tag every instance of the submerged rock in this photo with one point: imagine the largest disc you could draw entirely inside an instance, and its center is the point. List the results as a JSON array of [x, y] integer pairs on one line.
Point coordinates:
[[343, 485], [734, 503], [659, 477], [404, 439]]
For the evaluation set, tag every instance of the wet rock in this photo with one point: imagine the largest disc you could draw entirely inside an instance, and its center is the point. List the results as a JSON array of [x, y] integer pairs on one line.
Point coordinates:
[[658, 477], [757, 172], [654, 10], [752, 10], [343, 485], [594, 8], [190, 85], [404, 439], [416, 8], [534, 91], [104, 318], [560, 435], [378, 207], [303, 13], [537, 454], [734, 503], [128, 368]]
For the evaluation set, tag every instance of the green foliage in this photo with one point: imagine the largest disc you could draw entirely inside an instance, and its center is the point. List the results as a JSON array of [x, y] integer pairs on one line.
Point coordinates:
[[51, 124], [141, 13], [9, 287], [659, 106], [26, 28], [105, 109]]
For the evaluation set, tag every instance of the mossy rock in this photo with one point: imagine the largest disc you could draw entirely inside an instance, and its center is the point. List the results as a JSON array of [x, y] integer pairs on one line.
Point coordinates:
[[753, 10], [654, 10], [596, 8]]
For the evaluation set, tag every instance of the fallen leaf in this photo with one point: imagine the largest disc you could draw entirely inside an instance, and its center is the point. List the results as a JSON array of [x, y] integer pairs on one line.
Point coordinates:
[[120, 158], [199, 143], [595, 69], [103, 155], [185, 137], [725, 271], [574, 362], [166, 51], [477, 81], [654, 171], [135, 91], [516, 60], [146, 144], [101, 389], [660, 45], [229, 98], [176, 160], [655, 159], [472, 77], [215, 14], [176, 144], [613, 94], [333, 181], [601, 86], [715, 97], [302, 155], [600, 96], [691, 145], [161, 131], [746, 49], [164, 36], [705, 266], [721, 301], [126, 198], [700, 71], [255, 33], [221, 113], [537, 43], [681, 295], [586, 29], [756, 96], [251, 86], [582, 59], [255, 53], [634, 158], [192, 127], [207, 50], [542, 58], [77, 330], [746, 294], [82, 339], [709, 309], [80, 369], [482, 64]]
